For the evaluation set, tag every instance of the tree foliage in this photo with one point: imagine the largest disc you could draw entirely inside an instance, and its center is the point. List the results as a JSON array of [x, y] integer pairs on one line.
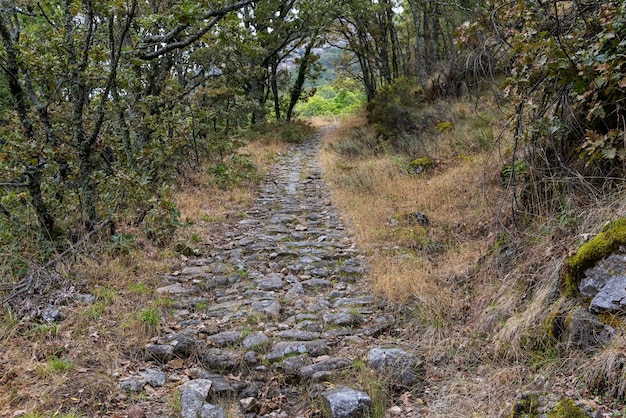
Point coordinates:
[[568, 85]]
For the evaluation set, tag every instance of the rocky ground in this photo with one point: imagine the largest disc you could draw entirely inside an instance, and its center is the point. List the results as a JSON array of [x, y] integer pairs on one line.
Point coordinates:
[[277, 319]]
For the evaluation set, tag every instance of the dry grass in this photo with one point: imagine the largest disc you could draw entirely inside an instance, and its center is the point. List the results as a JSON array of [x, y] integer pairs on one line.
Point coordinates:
[[475, 297]]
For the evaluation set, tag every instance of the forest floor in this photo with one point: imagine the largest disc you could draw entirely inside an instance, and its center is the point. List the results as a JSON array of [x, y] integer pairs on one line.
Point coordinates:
[[344, 283]]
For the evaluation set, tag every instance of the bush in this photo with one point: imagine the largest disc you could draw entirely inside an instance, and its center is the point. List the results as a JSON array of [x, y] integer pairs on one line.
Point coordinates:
[[394, 109], [361, 142], [233, 172]]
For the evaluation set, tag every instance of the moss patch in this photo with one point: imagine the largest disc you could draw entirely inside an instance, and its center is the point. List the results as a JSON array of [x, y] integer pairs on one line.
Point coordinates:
[[567, 408], [526, 407], [607, 242]]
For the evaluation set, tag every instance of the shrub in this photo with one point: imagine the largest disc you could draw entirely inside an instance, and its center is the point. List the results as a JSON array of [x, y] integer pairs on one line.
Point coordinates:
[[394, 109]]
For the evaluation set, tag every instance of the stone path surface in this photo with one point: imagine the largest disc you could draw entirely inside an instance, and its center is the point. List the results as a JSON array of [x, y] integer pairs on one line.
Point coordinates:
[[277, 320]]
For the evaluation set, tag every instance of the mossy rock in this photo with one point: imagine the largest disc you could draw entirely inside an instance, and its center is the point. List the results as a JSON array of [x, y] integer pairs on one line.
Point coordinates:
[[418, 165], [567, 408], [607, 242], [526, 407]]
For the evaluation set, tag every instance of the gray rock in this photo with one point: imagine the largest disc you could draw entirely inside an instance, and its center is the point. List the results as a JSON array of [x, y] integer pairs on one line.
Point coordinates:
[[342, 318], [269, 307], [272, 282], [399, 366], [251, 358], [255, 340], [310, 326], [220, 387], [249, 404], [176, 289], [159, 352], [582, 330], [598, 276], [611, 298], [224, 339], [193, 396], [212, 411], [296, 290], [359, 301], [183, 345], [295, 334], [51, 314], [220, 360], [85, 298], [153, 377], [317, 283], [284, 348], [379, 325], [324, 366], [131, 385], [292, 365], [344, 402]]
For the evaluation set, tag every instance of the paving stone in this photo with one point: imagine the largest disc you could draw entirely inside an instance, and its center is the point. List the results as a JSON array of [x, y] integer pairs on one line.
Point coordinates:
[[153, 377], [346, 403], [220, 360], [225, 338], [284, 348]]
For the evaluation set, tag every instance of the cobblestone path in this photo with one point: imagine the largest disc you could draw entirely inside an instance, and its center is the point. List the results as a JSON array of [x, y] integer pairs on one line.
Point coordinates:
[[277, 320]]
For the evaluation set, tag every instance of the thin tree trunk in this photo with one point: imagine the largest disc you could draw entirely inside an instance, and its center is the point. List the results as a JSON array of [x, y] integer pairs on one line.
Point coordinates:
[[296, 90]]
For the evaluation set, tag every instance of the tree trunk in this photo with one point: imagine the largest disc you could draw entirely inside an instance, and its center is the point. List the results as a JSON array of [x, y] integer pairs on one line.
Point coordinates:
[[296, 90], [9, 34], [274, 85]]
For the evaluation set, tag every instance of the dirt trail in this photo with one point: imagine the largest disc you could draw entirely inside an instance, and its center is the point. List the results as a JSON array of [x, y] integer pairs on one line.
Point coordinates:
[[277, 320]]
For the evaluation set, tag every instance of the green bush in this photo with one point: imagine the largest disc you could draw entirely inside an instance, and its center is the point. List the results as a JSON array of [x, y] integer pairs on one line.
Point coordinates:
[[395, 108], [233, 172]]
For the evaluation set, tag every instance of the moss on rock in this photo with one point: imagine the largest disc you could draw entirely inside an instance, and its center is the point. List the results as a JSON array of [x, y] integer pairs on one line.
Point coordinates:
[[418, 165], [607, 242], [526, 407], [567, 408]]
